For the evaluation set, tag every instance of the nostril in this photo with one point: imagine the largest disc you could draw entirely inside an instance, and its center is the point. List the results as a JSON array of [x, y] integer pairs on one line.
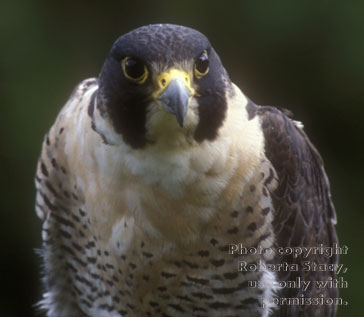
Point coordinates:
[[186, 79], [163, 82]]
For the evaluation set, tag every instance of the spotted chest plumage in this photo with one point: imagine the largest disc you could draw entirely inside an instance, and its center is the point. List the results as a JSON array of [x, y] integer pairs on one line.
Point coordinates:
[[133, 273], [152, 170]]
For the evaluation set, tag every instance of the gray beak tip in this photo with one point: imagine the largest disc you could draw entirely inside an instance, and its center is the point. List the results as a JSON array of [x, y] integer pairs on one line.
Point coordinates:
[[175, 100]]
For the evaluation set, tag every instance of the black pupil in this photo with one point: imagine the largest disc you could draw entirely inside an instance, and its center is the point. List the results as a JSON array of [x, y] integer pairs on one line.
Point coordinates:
[[134, 68], [202, 63]]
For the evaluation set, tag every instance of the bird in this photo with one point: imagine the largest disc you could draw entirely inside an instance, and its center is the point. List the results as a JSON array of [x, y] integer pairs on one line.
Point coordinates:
[[156, 171]]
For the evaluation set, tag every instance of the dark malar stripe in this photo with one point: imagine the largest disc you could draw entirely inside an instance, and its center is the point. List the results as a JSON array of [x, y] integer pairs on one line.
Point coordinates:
[[211, 112]]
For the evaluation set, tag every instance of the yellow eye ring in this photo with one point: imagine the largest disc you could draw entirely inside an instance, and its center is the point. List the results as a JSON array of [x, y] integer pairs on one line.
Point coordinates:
[[201, 67], [134, 69]]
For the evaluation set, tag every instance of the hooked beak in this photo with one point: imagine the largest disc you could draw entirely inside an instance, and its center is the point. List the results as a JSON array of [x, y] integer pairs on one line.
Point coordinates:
[[174, 93]]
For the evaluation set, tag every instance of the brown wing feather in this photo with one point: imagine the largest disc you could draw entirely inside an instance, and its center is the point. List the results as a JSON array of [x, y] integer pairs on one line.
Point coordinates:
[[304, 213]]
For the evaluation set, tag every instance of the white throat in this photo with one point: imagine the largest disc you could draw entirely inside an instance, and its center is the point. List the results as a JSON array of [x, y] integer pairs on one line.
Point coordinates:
[[184, 179]]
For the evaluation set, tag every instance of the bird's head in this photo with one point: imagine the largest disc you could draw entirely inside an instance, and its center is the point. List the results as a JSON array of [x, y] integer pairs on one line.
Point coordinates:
[[160, 81]]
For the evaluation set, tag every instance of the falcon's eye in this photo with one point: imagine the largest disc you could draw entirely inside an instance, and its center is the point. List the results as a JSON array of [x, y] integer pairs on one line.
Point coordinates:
[[202, 65], [135, 70]]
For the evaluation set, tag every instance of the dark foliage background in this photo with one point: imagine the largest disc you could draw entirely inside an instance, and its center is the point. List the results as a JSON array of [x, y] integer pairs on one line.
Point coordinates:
[[307, 56]]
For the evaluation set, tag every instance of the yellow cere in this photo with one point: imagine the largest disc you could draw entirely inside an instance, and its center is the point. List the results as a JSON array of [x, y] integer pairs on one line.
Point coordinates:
[[164, 79]]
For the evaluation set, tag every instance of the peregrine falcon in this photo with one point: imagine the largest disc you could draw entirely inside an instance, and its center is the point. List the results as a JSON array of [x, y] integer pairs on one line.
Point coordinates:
[[156, 169]]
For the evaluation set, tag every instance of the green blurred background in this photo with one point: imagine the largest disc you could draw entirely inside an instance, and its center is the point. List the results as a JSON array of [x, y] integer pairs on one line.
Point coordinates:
[[307, 56]]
